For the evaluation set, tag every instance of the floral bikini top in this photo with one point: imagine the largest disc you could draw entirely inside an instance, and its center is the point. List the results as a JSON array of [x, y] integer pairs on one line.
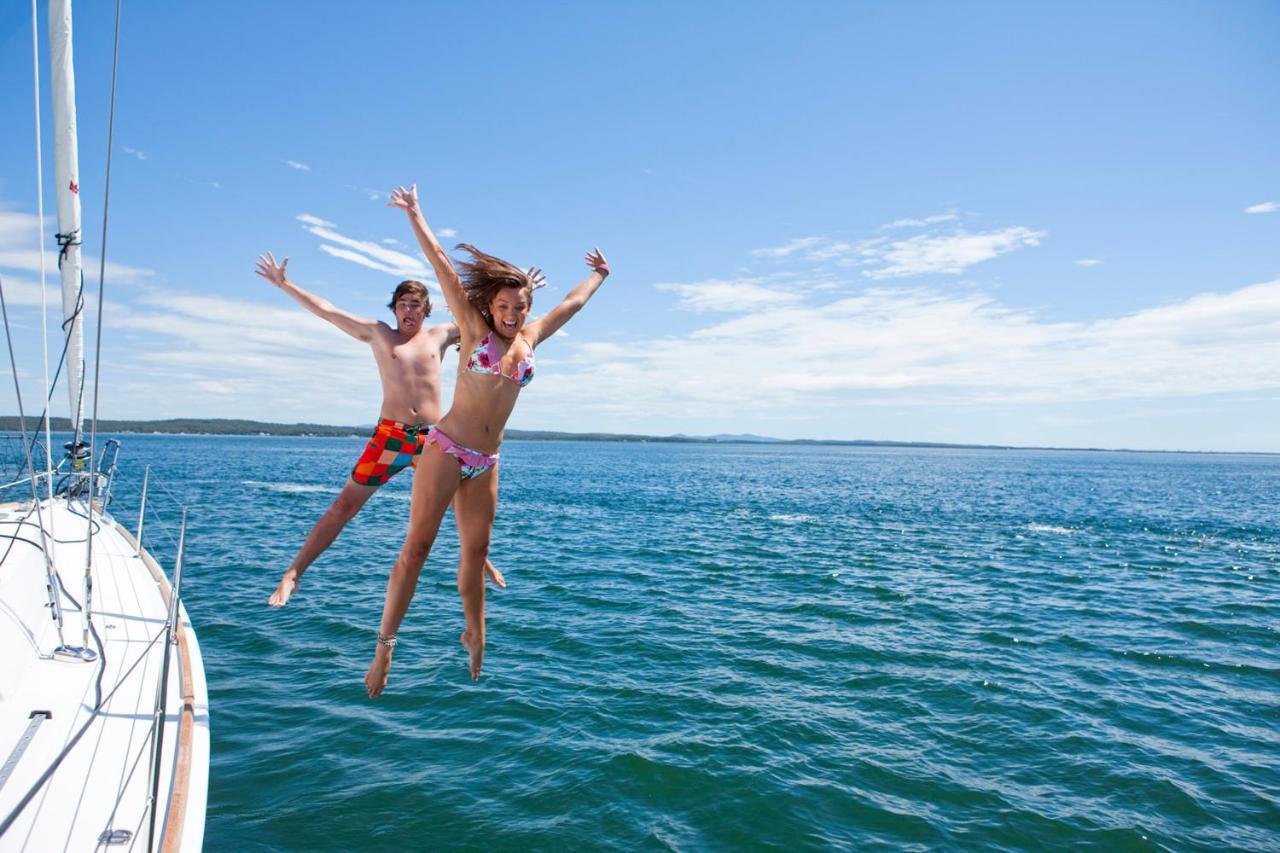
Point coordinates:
[[487, 358]]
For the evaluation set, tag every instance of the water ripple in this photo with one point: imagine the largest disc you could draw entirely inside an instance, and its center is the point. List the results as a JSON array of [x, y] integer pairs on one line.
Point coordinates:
[[752, 647]]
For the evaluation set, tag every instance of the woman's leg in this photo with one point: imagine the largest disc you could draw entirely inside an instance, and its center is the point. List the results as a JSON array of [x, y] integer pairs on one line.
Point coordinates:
[[474, 509], [433, 487], [490, 570]]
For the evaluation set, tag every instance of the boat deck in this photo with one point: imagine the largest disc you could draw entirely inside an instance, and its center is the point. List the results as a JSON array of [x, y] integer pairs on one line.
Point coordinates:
[[103, 782]]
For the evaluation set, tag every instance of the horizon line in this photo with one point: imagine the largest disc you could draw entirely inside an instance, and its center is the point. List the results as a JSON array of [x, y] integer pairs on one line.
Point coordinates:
[[122, 425]]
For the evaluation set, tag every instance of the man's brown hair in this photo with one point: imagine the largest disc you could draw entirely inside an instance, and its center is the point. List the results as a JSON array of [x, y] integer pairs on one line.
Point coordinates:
[[416, 288]]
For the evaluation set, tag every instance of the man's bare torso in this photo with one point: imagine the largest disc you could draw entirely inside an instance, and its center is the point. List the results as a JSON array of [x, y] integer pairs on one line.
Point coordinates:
[[410, 372]]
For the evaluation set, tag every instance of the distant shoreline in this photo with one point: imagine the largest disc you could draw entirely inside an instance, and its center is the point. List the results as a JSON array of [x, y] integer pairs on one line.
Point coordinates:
[[227, 426]]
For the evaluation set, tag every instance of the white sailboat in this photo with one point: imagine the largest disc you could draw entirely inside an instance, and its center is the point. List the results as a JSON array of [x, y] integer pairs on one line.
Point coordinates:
[[104, 736]]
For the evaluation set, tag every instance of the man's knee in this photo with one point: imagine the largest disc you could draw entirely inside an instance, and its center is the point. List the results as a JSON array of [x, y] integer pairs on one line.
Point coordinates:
[[348, 503]]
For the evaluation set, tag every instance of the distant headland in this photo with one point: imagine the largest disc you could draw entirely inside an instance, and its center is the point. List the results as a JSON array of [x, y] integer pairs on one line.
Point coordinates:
[[231, 426]]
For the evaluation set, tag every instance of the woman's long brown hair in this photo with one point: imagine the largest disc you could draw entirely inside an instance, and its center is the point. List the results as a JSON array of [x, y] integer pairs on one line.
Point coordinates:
[[484, 275]]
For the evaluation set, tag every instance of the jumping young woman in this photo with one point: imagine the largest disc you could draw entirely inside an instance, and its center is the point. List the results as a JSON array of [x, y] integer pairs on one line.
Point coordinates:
[[490, 302]]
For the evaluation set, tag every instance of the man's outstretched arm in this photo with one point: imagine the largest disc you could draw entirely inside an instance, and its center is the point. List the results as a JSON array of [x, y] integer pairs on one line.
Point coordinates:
[[357, 327]]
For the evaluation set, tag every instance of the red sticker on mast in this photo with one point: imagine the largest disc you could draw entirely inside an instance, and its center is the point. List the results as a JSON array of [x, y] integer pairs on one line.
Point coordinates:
[[75, 188]]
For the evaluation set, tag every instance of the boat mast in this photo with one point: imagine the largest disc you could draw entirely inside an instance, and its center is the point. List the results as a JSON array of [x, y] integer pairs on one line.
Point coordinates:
[[67, 172]]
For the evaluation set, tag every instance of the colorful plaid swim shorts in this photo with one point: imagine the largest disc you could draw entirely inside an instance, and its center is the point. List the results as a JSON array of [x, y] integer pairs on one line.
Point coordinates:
[[392, 448]]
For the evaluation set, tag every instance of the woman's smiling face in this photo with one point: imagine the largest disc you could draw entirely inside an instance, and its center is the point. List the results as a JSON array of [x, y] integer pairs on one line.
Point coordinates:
[[509, 308]]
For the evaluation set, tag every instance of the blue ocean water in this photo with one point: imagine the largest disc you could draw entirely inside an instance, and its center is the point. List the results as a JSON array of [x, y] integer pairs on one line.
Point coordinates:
[[741, 647]]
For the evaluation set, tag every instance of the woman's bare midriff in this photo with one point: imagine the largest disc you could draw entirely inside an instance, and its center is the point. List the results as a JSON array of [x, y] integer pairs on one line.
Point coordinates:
[[482, 404]]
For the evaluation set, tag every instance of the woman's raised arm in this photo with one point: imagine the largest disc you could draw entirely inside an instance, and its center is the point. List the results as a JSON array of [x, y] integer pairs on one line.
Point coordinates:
[[551, 322], [463, 311]]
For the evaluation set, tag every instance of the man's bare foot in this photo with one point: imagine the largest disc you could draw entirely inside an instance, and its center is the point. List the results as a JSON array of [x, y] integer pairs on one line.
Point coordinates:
[[475, 648], [492, 573], [375, 680], [287, 587]]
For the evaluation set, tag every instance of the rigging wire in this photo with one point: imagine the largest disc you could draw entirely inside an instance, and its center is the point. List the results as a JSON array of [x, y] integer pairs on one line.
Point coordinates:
[[44, 318], [50, 571], [97, 354]]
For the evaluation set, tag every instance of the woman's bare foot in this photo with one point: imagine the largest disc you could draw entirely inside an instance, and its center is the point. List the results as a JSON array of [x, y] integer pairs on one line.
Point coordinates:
[[288, 586], [492, 573], [375, 680], [475, 648]]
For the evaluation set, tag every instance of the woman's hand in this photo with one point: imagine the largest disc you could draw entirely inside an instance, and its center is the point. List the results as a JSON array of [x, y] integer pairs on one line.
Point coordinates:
[[270, 270], [536, 278], [405, 199], [595, 260]]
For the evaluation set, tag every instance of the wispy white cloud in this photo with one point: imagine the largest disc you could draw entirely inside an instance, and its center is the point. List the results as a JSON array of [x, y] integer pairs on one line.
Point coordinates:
[[370, 193], [366, 253], [198, 182], [29, 261], [308, 219], [798, 244], [447, 232], [19, 229], [948, 255], [1088, 262], [841, 251], [920, 223], [743, 295], [19, 233], [832, 353], [1265, 207], [269, 360], [141, 155], [363, 260], [924, 254], [294, 164], [26, 293]]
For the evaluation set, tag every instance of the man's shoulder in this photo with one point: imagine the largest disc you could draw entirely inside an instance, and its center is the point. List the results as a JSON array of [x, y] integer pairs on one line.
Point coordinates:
[[383, 336], [443, 332]]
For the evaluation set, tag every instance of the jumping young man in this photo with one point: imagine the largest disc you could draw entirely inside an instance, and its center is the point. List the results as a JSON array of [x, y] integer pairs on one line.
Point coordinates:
[[408, 359]]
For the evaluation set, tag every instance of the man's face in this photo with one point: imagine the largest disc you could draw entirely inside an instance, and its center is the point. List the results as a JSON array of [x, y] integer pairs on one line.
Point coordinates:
[[410, 310]]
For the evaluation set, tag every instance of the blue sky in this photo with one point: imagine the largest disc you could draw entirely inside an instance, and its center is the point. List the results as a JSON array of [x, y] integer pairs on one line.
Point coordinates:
[[1049, 224]]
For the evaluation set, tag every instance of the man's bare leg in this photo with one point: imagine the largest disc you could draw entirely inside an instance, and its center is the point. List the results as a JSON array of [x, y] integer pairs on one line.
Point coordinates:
[[344, 508]]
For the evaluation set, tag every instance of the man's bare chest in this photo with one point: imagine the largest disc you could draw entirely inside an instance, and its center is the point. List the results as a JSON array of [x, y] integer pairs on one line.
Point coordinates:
[[413, 357]]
